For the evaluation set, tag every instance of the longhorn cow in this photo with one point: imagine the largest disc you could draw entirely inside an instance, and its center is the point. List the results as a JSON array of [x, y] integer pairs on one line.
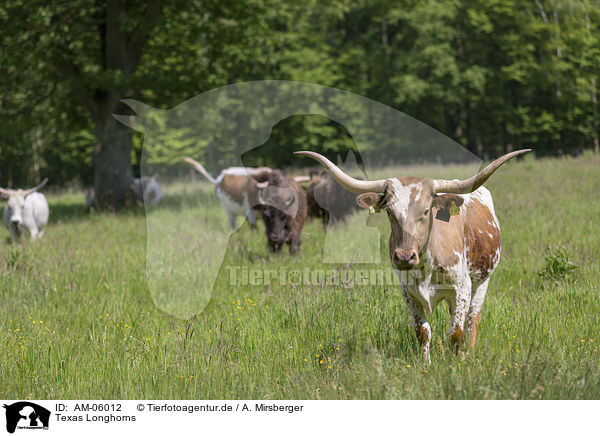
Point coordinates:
[[445, 233], [25, 208], [236, 189]]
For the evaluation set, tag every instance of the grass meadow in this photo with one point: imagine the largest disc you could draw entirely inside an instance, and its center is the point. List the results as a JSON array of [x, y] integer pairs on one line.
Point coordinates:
[[79, 319]]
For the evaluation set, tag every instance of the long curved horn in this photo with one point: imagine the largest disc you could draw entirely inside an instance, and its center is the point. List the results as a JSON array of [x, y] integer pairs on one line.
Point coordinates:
[[349, 183], [29, 191], [301, 179], [198, 167], [6, 192], [472, 183]]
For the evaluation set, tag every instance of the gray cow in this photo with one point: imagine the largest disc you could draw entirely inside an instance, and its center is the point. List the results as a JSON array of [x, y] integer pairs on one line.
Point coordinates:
[[25, 208]]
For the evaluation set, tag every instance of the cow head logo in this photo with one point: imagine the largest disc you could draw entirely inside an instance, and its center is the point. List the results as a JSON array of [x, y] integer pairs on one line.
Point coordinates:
[[26, 415]]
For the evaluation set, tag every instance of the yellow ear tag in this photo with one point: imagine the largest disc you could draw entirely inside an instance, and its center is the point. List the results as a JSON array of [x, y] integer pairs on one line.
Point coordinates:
[[454, 209], [371, 209]]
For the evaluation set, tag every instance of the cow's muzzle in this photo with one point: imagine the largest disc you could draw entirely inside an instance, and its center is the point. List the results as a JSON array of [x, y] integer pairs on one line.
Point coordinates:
[[275, 247], [276, 238], [17, 225], [405, 259]]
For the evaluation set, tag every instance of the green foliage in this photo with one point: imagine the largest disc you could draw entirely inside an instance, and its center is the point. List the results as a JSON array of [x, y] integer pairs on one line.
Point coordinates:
[[491, 75], [558, 265]]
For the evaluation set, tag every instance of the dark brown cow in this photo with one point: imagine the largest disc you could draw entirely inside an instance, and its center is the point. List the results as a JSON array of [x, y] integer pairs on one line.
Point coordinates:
[[445, 234], [313, 210], [283, 205], [326, 199]]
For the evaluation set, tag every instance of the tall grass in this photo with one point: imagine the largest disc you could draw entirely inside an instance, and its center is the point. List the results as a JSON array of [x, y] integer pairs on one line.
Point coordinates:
[[80, 321]]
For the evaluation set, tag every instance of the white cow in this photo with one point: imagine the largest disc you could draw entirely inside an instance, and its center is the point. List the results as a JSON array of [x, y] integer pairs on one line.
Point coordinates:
[[25, 208], [149, 189]]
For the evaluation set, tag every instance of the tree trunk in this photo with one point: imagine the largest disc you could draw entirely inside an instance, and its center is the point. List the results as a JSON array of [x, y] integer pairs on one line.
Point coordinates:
[[113, 173], [120, 51], [36, 142], [595, 122]]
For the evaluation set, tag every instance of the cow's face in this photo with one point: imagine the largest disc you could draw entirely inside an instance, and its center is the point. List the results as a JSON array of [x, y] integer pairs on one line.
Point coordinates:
[[279, 206], [410, 203], [277, 227], [16, 201], [281, 196]]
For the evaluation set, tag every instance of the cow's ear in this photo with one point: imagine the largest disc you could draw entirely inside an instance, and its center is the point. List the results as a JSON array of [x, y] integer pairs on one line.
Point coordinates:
[[370, 200], [447, 205]]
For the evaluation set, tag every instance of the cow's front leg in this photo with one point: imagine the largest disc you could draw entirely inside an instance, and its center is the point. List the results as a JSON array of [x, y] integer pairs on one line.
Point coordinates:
[[231, 219], [422, 328], [34, 233], [474, 317], [14, 234], [251, 218], [294, 243], [459, 307]]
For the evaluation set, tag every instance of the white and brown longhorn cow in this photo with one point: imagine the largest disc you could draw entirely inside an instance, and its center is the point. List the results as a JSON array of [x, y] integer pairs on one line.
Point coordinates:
[[236, 189], [445, 234]]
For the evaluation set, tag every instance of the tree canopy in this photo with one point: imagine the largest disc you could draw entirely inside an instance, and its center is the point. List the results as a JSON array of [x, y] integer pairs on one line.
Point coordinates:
[[492, 75]]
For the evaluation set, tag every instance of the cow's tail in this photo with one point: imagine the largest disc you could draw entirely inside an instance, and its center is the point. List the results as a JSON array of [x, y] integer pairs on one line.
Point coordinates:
[[198, 167]]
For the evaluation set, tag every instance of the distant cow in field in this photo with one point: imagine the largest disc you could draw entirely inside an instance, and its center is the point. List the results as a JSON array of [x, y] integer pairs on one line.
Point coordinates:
[[326, 199], [25, 209], [283, 206], [88, 192], [445, 233], [237, 189], [148, 189]]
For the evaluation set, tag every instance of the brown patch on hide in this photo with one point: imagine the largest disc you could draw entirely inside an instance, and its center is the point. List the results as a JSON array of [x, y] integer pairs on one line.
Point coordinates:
[[482, 238], [412, 180], [446, 240], [457, 335], [422, 335], [235, 186]]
